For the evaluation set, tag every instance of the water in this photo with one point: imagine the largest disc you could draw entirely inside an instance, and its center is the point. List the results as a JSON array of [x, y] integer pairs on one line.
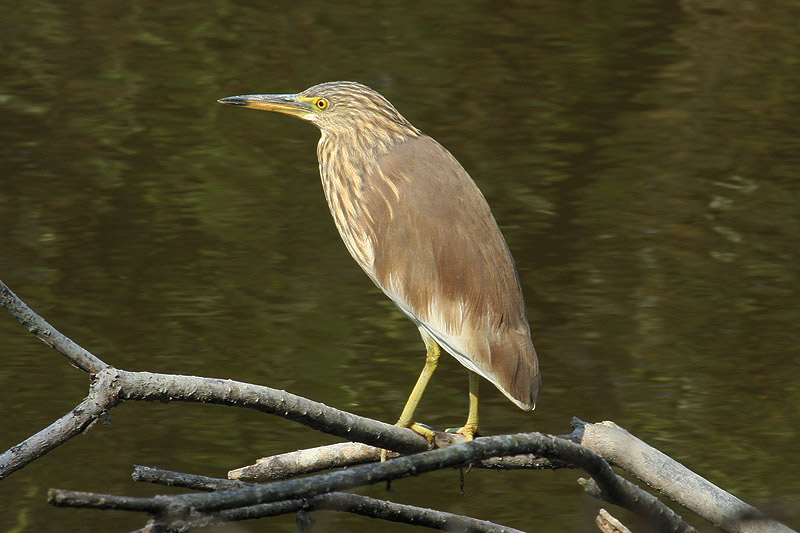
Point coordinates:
[[641, 159]]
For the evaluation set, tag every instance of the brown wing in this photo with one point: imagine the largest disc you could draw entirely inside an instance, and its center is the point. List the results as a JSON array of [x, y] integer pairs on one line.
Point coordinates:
[[439, 255]]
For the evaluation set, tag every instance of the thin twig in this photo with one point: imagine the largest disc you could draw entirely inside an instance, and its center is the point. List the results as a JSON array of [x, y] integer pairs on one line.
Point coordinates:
[[395, 512], [90, 500], [661, 517], [77, 355], [608, 524], [102, 396], [334, 501], [170, 478]]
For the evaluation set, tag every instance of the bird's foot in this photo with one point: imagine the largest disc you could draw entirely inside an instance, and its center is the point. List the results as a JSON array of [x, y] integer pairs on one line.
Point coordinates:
[[468, 430], [421, 429], [426, 431]]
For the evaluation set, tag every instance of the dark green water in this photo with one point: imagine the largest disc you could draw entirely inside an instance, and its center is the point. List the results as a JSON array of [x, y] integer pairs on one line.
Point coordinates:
[[642, 158]]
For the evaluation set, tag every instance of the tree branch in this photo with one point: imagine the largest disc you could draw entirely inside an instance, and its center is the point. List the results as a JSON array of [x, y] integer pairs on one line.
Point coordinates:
[[170, 478], [334, 501], [672, 479], [395, 512], [110, 386], [102, 396], [608, 524], [149, 386], [176, 508], [77, 355], [286, 465], [108, 389], [646, 505]]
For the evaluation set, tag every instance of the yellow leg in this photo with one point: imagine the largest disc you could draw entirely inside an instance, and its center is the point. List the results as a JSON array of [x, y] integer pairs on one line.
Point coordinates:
[[470, 428], [407, 416], [431, 362]]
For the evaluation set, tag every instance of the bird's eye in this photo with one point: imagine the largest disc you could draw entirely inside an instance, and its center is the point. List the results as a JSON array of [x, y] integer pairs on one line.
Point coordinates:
[[321, 103]]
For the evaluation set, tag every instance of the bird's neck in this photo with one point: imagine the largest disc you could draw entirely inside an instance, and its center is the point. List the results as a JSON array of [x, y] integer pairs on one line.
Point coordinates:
[[350, 156], [363, 143]]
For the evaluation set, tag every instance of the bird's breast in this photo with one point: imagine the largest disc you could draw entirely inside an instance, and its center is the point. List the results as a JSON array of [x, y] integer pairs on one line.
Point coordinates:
[[344, 182]]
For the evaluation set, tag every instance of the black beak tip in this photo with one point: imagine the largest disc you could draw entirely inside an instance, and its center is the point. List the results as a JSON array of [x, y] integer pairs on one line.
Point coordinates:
[[233, 100]]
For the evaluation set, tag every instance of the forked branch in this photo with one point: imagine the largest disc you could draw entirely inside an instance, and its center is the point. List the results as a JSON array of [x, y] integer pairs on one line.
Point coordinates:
[[235, 500]]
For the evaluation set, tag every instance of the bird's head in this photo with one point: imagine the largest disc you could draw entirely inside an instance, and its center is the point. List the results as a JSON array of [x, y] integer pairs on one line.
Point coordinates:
[[336, 108]]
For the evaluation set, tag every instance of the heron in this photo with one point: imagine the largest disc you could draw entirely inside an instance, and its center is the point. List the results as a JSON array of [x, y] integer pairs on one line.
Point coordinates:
[[420, 228]]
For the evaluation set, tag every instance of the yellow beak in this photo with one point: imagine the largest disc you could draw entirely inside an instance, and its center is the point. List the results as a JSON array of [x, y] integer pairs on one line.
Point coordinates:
[[288, 104]]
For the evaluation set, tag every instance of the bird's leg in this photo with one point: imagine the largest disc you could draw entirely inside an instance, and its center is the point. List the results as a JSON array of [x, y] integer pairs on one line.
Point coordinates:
[[431, 362], [470, 428], [407, 416]]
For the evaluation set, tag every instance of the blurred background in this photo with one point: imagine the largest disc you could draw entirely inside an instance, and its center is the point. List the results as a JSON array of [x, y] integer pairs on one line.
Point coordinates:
[[642, 158]]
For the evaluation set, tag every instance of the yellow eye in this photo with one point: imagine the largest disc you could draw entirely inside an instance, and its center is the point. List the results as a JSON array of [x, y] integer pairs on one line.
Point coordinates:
[[321, 103]]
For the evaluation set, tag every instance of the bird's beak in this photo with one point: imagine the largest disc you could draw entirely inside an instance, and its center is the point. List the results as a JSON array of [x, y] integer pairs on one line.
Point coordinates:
[[289, 104]]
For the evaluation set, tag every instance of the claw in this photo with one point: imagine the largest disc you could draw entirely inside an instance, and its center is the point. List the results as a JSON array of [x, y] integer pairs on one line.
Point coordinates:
[[421, 429], [469, 432]]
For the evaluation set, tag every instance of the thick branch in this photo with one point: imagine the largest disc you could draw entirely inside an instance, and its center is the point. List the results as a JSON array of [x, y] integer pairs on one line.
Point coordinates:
[[167, 387], [673, 479], [290, 464], [37, 325], [112, 385]]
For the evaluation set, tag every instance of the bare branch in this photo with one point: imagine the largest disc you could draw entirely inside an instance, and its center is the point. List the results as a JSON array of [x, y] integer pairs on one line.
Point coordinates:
[[673, 479], [113, 385], [584, 448], [661, 516], [300, 462], [91, 500], [150, 386], [102, 396], [453, 456], [78, 356], [334, 501], [395, 512], [522, 462], [170, 478], [287, 465], [668, 520], [180, 506], [608, 524]]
